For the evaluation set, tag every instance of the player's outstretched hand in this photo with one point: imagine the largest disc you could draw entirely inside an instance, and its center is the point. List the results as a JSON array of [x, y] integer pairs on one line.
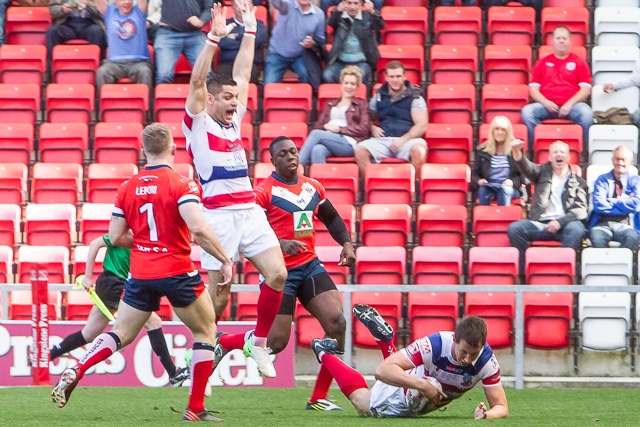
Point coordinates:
[[219, 27], [480, 412], [227, 273], [249, 16]]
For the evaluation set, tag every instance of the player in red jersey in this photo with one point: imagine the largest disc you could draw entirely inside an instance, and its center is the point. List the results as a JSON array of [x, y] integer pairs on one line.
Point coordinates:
[[211, 125], [292, 203], [162, 209]]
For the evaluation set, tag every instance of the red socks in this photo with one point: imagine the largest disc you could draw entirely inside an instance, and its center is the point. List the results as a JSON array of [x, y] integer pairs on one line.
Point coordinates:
[[232, 341], [387, 348], [201, 369], [348, 379], [268, 307], [321, 387], [101, 348]]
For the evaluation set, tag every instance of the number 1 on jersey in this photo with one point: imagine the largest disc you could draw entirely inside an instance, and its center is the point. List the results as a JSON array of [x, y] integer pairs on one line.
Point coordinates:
[[151, 221]]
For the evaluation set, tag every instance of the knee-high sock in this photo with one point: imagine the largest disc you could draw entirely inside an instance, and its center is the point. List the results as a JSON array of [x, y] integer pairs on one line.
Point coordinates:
[[323, 382], [268, 307], [387, 348], [233, 341], [101, 348], [159, 347], [71, 342], [201, 369], [348, 379]]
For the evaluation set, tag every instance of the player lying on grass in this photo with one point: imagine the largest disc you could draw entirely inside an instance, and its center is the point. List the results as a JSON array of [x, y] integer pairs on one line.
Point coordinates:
[[426, 375]]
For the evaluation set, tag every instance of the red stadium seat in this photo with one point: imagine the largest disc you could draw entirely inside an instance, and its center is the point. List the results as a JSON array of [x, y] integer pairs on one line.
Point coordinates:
[[445, 184], [70, 103], [449, 143], [75, 63], [103, 180], [457, 25], [247, 306], [452, 104], [95, 221], [453, 64], [297, 132], [22, 63], [328, 91], [431, 312], [16, 143], [576, 19], [27, 25], [388, 304], [63, 142], [10, 217], [385, 224], [348, 215], [246, 134], [6, 264], [117, 142], [56, 183], [493, 266], [19, 103], [490, 224], [307, 327], [79, 306], [339, 180], [166, 310], [53, 259], [124, 103], [287, 102], [497, 309], [261, 171], [547, 320], [507, 65], [20, 306], [182, 156], [437, 265], [511, 25], [545, 135], [169, 102], [252, 104], [380, 265], [389, 183], [441, 225], [411, 56], [80, 255], [330, 257], [504, 100], [405, 25], [550, 266], [182, 70], [50, 224], [250, 273], [406, 3], [13, 183]]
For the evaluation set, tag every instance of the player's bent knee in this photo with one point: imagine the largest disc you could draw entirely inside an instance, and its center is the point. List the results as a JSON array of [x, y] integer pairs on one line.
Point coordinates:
[[276, 278]]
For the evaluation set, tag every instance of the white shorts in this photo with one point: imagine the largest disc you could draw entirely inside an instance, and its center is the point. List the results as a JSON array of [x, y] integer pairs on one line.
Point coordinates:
[[240, 231], [379, 148]]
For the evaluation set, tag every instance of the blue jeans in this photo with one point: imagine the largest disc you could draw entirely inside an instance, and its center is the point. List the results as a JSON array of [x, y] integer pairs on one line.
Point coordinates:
[[453, 3], [604, 232], [522, 233], [377, 4], [533, 114], [331, 73], [504, 195], [321, 144], [168, 45], [276, 65]]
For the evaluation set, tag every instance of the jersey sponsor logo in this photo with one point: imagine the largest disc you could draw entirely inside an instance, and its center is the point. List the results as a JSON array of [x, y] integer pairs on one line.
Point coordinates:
[[302, 223], [571, 66], [193, 188], [301, 200], [550, 64], [148, 189]]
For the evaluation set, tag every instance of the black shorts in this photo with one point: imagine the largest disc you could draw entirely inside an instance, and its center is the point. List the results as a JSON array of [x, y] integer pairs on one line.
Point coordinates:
[[181, 291], [305, 282], [109, 288]]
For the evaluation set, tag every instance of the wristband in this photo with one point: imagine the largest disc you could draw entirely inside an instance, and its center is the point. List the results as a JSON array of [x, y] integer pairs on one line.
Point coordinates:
[[250, 33], [212, 40]]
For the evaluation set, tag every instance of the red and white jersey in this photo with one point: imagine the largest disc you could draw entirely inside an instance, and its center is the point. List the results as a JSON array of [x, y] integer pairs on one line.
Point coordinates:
[[560, 79], [149, 202], [432, 357], [290, 209], [220, 159]]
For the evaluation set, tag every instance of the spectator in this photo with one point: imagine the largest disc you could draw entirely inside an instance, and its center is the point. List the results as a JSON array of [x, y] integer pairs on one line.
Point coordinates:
[[75, 19], [154, 12], [560, 85], [230, 45], [616, 200], [495, 175], [342, 123], [355, 39], [631, 80], [180, 31], [559, 206], [535, 4], [326, 4], [299, 28], [453, 3], [128, 54], [3, 20], [402, 121]]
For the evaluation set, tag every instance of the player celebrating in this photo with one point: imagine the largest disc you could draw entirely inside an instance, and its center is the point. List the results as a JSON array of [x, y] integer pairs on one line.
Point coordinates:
[[109, 287], [458, 361], [291, 202], [211, 126], [162, 209]]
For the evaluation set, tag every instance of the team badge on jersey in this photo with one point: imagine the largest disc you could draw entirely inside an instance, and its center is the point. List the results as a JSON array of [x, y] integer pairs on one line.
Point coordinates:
[[302, 223]]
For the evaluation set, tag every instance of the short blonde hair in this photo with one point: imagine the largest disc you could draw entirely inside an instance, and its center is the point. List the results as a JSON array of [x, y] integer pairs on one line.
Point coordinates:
[[351, 70], [156, 139], [501, 122]]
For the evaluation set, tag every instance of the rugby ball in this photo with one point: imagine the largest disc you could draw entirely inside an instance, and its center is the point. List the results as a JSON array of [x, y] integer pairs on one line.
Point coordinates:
[[434, 382]]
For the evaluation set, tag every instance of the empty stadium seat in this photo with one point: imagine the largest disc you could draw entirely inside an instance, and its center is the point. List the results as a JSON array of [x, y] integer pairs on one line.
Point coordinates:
[[27, 25], [297, 132], [103, 180], [452, 104], [307, 326], [330, 257], [388, 304], [16, 142], [339, 180], [490, 224], [6, 264], [550, 266], [169, 102], [80, 255], [19, 103], [504, 100], [79, 305], [63, 142], [493, 265], [545, 135], [95, 221], [431, 312], [247, 306], [10, 217], [449, 143], [50, 224], [497, 309], [453, 64], [576, 19], [385, 224], [547, 319], [13, 183], [250, 273], [605, 319], [405, 25], [509, 25], [348, 215], [56, 183], [441, 225], [457, 25], [285, 102], [507, 65], [616, 26], [53, 259], [117, 142], [22, 63], [445, 184], [612, 63], [628, 98], [437, 265], [75, 63], [411, 56], [389, 183], [20, 305], [166, 310], [603, 139], [607, 266], [69, 103], [124, 103], [182, 156], [380, 265]]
